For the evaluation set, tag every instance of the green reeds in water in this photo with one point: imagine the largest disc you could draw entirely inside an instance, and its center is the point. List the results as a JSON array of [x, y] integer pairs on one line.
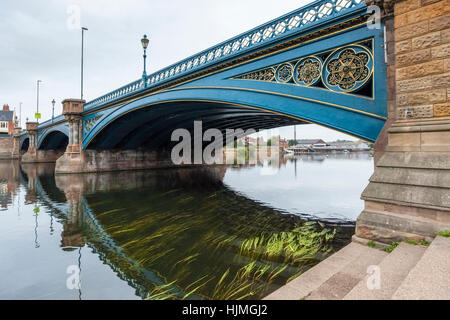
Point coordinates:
[[304, 242], [270, 255]]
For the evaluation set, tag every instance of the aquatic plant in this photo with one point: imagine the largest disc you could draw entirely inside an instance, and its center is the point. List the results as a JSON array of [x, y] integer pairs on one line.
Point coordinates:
[[294, 246], [202, 249]]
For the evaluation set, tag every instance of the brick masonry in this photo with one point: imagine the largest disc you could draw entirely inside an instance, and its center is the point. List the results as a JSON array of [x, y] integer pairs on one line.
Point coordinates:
[[422, 59], [6, 147]]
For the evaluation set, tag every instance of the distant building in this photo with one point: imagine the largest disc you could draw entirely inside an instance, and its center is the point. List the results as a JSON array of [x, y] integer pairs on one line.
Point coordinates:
[[6, 121], [350, 145], [284, 144], [310, 143]]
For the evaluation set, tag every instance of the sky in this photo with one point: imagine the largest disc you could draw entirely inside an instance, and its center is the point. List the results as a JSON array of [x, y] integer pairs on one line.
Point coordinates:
[[41, 40]]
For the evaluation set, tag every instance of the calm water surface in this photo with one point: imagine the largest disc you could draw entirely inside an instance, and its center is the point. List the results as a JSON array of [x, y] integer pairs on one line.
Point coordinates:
[[210, 233]]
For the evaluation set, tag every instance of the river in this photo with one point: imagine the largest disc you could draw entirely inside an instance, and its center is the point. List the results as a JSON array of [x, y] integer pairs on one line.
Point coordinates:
[[237, 232]]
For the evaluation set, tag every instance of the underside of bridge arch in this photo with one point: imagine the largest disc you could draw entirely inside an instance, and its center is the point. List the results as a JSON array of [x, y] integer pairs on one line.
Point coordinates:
[[151, 127], [55, 140], [24, 145]]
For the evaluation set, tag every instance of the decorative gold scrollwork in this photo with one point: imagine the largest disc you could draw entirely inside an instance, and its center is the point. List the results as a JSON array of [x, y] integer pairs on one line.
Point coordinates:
[[345, 69], [89, 123], [261, 75], [348, 69], [285, 72], [307, 71]]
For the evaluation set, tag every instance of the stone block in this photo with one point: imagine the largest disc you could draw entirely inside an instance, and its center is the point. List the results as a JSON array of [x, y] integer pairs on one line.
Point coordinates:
[[426, 97], [404, 139], [420, 70], [418, 84], [447, 65], [445, 36], [426, 41], [406, 6], [441, 80], [412, 30], [403, 46], [402, 99], [439, 23], [435, 141], [442, 110], [420, 56], [442, 51], [422, 14]]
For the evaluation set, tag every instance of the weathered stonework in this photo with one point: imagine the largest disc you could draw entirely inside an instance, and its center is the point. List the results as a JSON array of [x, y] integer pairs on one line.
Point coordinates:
[[409, 193], [111, 160], [6, 147]]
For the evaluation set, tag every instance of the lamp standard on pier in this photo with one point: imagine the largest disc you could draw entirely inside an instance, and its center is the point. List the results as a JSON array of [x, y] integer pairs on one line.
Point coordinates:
[[53, 109], [83, 29], [37, 115], [145, 41]]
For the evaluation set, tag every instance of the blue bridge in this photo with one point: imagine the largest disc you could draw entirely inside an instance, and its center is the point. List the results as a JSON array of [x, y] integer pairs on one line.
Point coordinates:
[[319, 64]]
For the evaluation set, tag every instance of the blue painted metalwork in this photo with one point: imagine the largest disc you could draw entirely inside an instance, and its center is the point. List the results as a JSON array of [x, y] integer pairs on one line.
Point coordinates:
[[62, 127], [359, 115], [319, 64]]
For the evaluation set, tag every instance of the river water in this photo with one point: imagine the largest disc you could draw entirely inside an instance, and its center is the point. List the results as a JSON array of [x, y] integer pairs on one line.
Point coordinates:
[[237, 232]]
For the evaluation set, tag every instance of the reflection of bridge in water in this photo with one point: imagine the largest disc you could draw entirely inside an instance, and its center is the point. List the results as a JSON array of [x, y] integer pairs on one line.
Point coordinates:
[[74, 202]]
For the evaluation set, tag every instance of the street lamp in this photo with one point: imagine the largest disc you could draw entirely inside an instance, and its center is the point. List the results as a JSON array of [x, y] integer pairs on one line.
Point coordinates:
[[53, 109], [37, 116], [83, 29], [145, 41]]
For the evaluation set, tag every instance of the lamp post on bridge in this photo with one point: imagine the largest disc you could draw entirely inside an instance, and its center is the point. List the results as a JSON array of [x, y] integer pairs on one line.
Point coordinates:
[[37, 115], [145, 41], [53, 109], [83, 29]]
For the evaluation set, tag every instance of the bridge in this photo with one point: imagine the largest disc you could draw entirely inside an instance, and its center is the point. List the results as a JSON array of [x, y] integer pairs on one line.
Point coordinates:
[[321, 64]]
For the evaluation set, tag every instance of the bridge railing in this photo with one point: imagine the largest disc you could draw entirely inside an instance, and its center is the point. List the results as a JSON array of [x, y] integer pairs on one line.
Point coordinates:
[[284, 26]]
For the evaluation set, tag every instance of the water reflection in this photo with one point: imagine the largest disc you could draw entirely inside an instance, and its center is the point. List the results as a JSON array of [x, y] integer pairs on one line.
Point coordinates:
[[188, 233]]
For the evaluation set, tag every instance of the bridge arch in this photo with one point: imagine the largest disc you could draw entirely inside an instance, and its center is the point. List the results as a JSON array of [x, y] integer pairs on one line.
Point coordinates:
[[53, 138], [241, 96], [155, 117], [24, 144]]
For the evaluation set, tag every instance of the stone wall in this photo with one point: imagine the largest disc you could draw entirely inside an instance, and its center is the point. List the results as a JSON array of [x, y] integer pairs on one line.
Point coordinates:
[[6, 147], [111, 160], [422, 47], [409, 193]]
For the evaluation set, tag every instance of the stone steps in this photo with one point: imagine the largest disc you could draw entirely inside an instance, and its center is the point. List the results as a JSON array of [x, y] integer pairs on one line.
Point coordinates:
[[343, 281], [393, 271], [429, 279], [315, 277], [409, 272]]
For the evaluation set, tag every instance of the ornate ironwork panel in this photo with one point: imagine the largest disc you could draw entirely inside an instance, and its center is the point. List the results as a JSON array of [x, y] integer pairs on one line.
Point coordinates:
[[346, 69]]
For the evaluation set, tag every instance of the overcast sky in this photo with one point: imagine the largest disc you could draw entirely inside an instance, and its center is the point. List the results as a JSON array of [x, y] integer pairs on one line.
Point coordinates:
[[40, 40]]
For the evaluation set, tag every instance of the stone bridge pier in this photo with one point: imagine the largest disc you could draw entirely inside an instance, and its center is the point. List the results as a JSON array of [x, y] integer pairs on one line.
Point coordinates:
[[409, 192], [77, 160], [31, 155]]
